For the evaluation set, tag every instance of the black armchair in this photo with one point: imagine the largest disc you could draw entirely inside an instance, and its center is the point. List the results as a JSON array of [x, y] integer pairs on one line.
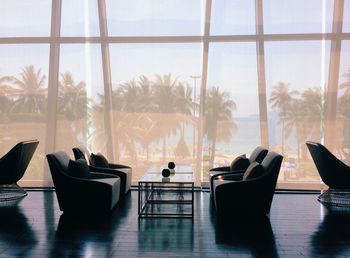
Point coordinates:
[[248, 197], [123, 171], [333, 171], [98, 194], [12, 167]]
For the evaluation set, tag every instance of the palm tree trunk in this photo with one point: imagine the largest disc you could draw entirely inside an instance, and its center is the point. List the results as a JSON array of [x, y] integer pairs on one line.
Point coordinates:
[[298, 145], [212, 155], [164, 148], [134, 154], [183, 128], [116, 148], [282, 142], [147, 152]]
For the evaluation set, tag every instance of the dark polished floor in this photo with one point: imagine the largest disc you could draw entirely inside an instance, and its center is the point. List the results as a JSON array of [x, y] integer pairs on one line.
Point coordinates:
[[298, 226]]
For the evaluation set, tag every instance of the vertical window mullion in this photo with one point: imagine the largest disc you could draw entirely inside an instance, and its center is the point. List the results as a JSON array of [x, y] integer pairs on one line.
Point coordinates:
[[203, 88], [259, 21], [333, 77], [107, 78], [53, 84]]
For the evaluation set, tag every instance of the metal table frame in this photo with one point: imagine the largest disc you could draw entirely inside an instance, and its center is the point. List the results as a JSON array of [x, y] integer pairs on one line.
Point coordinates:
[[157, 192]]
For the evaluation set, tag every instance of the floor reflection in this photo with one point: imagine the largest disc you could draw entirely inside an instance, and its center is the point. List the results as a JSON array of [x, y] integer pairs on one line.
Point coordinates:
[[16, 233], [333, 234], [253, 234], [79, 236], [165, 234]]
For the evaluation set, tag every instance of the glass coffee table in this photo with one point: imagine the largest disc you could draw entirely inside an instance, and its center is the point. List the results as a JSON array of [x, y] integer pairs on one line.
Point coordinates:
[[166, 197]]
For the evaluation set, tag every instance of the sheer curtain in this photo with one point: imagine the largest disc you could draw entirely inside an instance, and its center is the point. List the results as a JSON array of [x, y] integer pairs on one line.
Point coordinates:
[[194, 82]]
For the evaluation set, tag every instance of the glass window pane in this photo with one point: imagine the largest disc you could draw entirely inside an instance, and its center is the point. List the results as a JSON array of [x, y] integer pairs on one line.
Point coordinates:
[[155, 17], [233, 17], [296, 74], [25, 18], [79, 115], [232, 69], [297, 16], [23, 94], [346, 24], [152, 104], [80, 18]]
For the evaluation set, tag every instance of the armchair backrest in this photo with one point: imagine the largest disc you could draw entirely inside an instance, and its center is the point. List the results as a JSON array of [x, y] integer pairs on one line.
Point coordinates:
[[258, 154], [81, 152], [272, 165], [58, 163], [333, 171], [14, 163]]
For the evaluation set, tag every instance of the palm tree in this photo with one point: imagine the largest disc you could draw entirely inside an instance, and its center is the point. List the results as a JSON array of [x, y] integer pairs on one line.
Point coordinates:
[[164, 95], [218, 108], [74, 107], [305, 117], [183, 102], [184, 106], [312, 105], [281, 98], [147, 128], [165, 101], [131, 94], [293, 121], [73, 102], [30, 91], [145, 99]]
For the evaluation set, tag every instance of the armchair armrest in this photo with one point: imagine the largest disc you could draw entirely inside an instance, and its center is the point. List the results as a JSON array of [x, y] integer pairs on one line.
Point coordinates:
[[221, 169], [116, 166], [236, 172], [106, 171], [233, 175], [97, 175]]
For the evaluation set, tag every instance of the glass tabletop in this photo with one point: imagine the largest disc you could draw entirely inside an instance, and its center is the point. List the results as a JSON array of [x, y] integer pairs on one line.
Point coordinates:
[[179, 169], [156, 177]]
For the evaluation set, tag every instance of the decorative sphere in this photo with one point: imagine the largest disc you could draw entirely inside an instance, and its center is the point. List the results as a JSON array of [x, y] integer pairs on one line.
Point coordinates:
[[165, 172], [171, 165]]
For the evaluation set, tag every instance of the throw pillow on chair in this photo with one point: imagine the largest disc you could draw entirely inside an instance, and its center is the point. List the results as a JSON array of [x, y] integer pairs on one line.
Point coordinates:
[[79, 168], [253, 171], [98, 160], [239, 163]]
